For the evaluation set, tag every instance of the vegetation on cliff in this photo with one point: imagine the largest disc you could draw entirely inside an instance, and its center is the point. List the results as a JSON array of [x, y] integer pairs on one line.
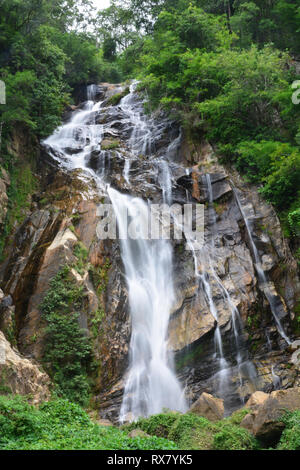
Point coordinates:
[[67, 356]]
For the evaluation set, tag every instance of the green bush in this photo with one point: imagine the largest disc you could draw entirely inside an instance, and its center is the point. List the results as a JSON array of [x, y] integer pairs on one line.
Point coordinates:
[[60, 425], [231, 437], [67, 355], [290, 438], [190, 432], [158, 425]]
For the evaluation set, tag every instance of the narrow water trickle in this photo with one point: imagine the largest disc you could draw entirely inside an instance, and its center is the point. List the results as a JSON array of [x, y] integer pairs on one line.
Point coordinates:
[[205, 272], [262, 277]]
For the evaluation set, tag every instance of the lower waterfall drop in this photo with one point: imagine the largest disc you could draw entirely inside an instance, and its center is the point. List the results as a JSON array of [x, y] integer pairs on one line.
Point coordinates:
[[151, 384]]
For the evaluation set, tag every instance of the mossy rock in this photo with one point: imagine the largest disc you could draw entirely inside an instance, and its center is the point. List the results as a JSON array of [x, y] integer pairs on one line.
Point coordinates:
[[109, 144], [115, 99]]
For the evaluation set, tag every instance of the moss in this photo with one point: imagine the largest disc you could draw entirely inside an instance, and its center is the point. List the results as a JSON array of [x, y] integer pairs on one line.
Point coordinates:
[[189, 356], [219, 208], [115, 99], [238, 416], [23, 184], [76, 217], [110, 144], [99, 276], [81, 253], [4, 388]]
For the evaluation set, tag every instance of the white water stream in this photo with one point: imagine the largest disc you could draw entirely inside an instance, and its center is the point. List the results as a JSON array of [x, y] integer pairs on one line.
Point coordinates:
[[151, 384]]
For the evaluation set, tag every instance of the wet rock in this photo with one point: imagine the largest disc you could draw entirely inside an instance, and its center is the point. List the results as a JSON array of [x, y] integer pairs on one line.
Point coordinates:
[[295, 359], [209, 407], [6, 302], [295, 345]]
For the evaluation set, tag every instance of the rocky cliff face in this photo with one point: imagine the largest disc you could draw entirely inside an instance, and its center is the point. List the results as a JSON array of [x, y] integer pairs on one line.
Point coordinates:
[[64, 214]]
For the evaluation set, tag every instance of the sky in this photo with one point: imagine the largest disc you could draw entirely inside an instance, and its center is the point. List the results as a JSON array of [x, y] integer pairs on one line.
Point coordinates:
[[101, 3]]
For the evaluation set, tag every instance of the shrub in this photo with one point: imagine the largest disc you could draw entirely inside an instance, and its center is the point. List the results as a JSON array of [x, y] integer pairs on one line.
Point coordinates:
[[60, 424], [67, 355], [290, 439], [158, 425], [231, 437], [193, 432]]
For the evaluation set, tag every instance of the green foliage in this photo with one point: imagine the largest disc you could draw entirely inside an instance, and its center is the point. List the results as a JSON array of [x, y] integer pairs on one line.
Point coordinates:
[[192, 432], [115, 99], [157, 425], [62, 425], [233, 438], [42, 58], [67, 354], [238, 416], [290, 438], [81, 253], [22, 186]]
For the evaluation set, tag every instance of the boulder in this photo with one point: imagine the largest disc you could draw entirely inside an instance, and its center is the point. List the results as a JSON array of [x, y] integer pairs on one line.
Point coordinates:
[[295, 345], [264, 419], [19, 375], [256, 400], [138, 433], [209, 407], [104, 422]]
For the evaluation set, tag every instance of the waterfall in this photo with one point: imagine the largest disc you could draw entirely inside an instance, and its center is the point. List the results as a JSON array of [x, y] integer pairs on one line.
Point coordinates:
[[262, 277], [244, 366], [150, 383]]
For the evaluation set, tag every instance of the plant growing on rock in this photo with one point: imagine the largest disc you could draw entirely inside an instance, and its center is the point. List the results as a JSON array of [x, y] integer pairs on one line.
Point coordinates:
[[67, 354]]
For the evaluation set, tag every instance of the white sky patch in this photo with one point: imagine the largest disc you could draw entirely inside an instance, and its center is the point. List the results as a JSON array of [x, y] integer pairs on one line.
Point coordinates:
[[101, 4]]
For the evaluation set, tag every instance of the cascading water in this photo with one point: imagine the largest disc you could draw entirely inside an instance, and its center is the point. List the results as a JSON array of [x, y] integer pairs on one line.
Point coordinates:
[[262, 277], [151, 384]]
